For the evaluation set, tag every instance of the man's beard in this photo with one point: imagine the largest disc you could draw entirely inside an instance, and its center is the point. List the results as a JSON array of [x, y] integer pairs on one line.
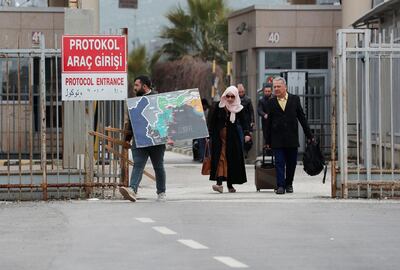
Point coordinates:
[[140, 92]]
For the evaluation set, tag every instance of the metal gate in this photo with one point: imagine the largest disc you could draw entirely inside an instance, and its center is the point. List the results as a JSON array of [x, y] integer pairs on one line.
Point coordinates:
[[32, 128], [367, 114], [315, 99]]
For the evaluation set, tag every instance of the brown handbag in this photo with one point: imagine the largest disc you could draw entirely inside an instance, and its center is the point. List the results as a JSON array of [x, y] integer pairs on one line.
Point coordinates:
[[206, 168]]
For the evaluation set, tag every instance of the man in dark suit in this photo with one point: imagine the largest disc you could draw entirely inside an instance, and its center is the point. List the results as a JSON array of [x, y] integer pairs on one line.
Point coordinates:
[[284, 110], [245, 101], [262, 107], [248, 110]]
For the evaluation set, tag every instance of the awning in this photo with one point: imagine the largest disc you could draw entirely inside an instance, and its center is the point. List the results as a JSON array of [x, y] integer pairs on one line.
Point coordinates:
[[376, 13]]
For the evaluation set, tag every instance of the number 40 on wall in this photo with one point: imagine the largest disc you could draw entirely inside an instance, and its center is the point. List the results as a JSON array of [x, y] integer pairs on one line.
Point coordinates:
[[273, 37]]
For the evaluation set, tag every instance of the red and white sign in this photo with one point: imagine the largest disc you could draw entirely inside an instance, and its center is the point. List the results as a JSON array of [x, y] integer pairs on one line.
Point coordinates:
[[94, 68]]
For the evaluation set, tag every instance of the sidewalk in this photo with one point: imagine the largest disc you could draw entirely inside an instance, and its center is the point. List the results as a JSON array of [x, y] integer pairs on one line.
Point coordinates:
[[184, 182]]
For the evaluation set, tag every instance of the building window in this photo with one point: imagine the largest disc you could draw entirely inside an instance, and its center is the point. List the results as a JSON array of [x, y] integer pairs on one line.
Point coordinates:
[[376, 2], [242, 69], [24, 3], [312, 60], [278, 60], [14, 79], [328, 2]]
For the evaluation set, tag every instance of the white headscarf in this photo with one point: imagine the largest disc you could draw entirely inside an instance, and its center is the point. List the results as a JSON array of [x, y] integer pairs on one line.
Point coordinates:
[[235, 107]]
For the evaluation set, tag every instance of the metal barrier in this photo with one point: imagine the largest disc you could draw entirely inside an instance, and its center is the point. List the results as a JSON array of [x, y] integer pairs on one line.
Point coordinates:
[[368, 94], [33, 164]]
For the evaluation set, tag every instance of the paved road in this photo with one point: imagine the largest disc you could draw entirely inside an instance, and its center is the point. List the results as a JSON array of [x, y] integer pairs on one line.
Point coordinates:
[[198, 229]]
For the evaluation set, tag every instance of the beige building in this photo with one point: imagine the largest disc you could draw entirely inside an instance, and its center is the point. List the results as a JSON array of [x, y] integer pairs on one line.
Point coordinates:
[[20, 28], [268, 40]]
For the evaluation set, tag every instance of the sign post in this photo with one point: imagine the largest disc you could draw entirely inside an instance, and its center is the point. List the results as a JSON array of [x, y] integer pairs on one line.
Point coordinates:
[[94, 68]]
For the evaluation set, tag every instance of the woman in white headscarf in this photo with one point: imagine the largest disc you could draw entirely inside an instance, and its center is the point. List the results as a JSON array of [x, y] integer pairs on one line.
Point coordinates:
[[227, 126]]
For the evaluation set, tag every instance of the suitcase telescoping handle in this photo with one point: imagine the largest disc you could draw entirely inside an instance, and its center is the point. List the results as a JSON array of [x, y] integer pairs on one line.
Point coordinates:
[[268, 152]]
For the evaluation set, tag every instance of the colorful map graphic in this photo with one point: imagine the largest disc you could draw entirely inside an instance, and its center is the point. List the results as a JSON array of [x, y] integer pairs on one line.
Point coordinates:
[[176, 115]]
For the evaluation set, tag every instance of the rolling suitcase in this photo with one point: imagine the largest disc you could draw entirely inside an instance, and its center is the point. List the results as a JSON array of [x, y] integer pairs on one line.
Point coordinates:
[[265, 175]]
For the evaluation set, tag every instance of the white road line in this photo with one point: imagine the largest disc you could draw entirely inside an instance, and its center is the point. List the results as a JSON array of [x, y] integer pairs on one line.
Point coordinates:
[[231, 262], [145, 220], [164, 230], [192, 244]]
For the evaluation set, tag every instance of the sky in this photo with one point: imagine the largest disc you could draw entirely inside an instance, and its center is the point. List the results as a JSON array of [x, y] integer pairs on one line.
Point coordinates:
[[146, 22]]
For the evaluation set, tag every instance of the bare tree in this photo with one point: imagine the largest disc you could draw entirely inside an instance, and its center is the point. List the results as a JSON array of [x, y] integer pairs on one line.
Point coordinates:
[[187, 73]]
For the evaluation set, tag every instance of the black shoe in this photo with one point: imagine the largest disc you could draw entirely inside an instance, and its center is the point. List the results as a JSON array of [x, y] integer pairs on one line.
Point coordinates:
[[289, 189], [280, 190]]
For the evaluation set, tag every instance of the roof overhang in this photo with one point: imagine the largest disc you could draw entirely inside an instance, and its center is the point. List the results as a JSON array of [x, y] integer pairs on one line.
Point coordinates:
[[33, 9], [373, 15], [285, 8]]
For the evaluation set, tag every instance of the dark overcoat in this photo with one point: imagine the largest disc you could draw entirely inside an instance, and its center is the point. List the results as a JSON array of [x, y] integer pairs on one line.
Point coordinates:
[[248, 111], [219, 118], [282, 126], [262, 111]]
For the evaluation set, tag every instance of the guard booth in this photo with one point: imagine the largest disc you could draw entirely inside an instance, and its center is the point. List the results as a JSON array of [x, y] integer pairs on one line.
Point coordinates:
[[267, 40]]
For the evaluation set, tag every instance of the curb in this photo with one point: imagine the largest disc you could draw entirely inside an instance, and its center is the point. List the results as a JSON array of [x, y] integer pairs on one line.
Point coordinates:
[[184, 151]]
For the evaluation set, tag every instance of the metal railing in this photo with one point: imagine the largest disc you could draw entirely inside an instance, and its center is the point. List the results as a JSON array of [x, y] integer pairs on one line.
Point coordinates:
[[368, 91], [33, 160]]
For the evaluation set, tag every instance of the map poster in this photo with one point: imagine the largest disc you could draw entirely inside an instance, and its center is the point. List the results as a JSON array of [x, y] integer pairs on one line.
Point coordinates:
[[174, 115]]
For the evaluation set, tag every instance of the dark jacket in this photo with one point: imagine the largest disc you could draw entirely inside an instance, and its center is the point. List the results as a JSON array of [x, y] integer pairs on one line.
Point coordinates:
[[262, 111], [234, 143], [282, 126], [262, 105], [128, 132], [247, 109]]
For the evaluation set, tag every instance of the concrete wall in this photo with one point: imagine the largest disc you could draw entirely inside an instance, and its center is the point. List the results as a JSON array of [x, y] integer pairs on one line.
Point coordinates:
[[18, 24], [77, 22], [354, 9], [297, 27], [93, 6]]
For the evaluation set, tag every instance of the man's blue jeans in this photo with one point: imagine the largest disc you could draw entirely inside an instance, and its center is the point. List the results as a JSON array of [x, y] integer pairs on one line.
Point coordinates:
[[285, 160], [140, 157]]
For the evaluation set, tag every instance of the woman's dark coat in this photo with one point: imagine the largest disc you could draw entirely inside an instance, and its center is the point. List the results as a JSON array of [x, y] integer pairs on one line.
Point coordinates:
[[218, 119]]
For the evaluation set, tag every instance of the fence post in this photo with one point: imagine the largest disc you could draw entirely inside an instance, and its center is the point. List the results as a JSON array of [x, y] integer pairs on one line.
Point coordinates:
[[333, 144], [367, 130], [125, 152], [43, 117], [88, 147]]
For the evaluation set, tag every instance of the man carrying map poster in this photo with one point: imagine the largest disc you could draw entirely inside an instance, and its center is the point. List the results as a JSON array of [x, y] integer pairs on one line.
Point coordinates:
[[142, 87]]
